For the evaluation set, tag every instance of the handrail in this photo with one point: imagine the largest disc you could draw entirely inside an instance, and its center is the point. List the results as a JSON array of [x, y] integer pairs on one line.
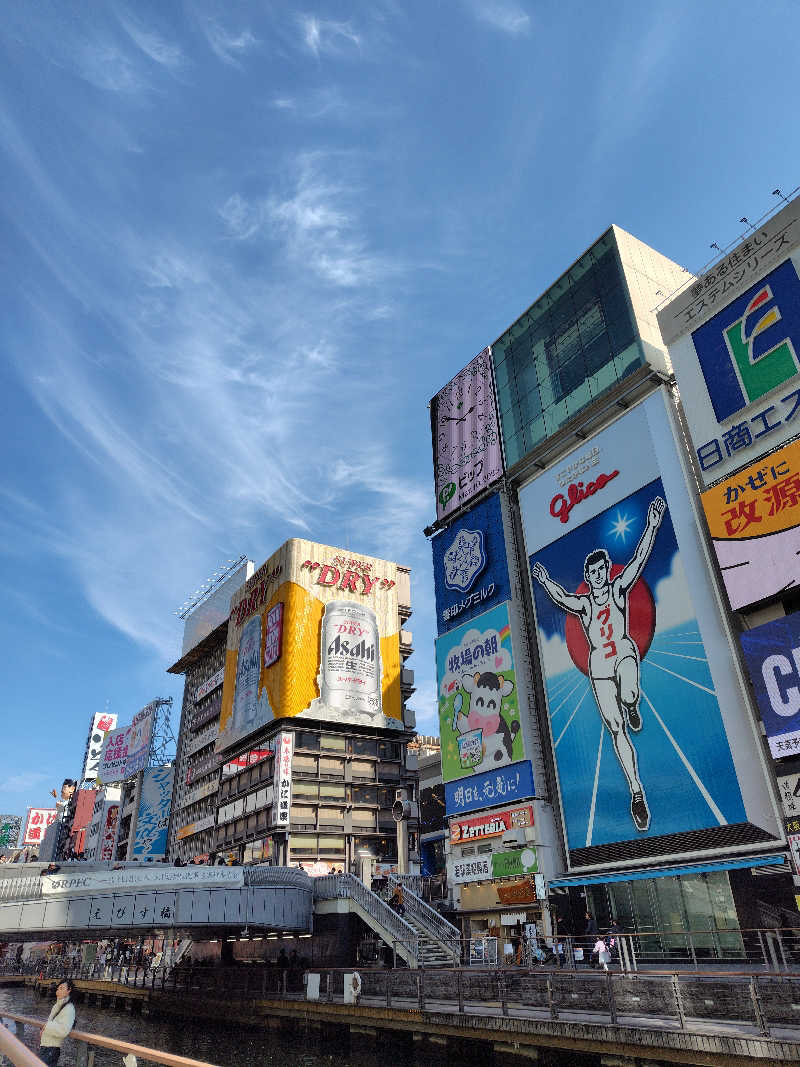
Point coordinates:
[[11, 1046], [333, 886], [429, 919], [151, 1055]]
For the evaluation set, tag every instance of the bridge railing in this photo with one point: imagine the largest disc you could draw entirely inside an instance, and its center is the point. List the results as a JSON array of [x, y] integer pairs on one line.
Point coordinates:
[[332, 886]]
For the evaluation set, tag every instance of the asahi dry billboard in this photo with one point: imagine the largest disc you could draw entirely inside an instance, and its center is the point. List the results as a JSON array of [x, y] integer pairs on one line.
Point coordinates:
[[314, 632]]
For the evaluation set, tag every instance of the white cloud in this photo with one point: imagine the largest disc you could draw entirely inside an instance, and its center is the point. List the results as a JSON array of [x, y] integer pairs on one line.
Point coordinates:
[[228, 46], [151, 43], [672, 597], [327, 36], [555, 655], [503, 15]]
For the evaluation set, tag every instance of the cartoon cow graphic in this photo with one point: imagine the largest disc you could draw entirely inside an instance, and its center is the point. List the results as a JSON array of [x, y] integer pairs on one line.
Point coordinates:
[[486, 692]]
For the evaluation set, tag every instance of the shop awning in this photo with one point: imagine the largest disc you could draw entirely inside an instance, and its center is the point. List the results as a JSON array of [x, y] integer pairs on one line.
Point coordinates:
[[663, 872]]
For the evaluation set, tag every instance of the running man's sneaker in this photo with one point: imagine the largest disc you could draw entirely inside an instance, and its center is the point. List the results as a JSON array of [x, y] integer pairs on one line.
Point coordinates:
[[640, 811], [634, 717]]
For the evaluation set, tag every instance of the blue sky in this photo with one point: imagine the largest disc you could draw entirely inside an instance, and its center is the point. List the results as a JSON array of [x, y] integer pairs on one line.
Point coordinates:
[[244, 244]]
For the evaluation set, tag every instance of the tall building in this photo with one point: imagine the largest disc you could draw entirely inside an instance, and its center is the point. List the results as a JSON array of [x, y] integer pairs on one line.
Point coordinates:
[[202, 663], [575, 599], [311, 727]]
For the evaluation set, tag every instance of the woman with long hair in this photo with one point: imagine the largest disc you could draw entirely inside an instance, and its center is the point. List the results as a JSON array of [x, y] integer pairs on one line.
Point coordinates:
[[59, 1023]]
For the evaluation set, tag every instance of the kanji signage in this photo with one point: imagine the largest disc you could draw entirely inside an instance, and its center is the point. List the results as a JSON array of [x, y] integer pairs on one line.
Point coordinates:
[[467, 455], [470, 568], [514, 863], [734, 342], [102, 722], [506, 785], [282, 781], [754, 521], [36, 823], [789, 789], [772, 656]]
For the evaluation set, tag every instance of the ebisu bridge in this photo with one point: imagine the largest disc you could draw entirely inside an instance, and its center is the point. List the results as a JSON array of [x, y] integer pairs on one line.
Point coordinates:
[[201, 903], [104, 900]]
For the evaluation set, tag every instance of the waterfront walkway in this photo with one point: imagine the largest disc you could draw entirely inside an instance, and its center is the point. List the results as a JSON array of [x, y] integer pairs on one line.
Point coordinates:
[[691, 1018]]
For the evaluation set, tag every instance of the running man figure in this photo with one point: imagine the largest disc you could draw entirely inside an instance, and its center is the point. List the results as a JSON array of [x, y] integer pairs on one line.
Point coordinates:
[[613, 656]]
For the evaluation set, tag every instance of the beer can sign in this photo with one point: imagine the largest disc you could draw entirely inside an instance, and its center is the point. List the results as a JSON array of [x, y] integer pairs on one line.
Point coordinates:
[[245, 706], [350, 660]]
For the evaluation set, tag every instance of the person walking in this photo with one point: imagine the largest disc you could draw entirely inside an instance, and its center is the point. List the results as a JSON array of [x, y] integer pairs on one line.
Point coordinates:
[[601, 951], [590, 931], [59, 1023]]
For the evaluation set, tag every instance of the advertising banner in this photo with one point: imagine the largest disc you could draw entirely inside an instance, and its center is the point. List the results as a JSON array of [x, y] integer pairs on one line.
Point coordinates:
[[789, 789], [633, 652], [151, 876], [514, 863], [510, 784], [214, 682], [214, 610], [492, 824], [754, 521], [114, 755], [152, 820], [467, 455], [193, 828], [10, 826], [772, 655], [470, 569], [139, 738], [331, 651], [36, 823], [108, 839], [282, 780], [479, 722], [734, 342], [102, 722]]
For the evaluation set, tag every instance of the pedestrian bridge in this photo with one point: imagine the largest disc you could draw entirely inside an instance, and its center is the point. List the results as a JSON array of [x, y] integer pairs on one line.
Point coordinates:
[[105, 900]]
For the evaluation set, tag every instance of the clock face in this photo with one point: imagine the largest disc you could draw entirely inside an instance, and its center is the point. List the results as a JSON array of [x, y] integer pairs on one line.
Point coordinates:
[[464, 404]]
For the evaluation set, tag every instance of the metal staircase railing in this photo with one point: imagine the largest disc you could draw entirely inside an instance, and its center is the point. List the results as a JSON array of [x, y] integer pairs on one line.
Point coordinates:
[[396, 930], [432, 923]]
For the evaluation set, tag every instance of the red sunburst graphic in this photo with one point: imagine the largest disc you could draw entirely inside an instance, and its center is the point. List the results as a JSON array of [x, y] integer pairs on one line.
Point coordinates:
[[641, 622]]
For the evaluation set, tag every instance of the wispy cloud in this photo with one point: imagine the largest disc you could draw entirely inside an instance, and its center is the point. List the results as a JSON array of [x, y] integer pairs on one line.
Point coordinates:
[[229, 46], [325, 36], [151, 43], [504, 15]]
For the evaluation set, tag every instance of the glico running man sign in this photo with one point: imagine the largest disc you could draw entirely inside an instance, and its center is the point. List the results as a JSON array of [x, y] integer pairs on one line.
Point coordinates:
[[634, 655]]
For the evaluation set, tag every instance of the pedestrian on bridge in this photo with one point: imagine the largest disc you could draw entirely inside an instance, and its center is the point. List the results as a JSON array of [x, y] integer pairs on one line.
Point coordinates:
[[59, 1023]]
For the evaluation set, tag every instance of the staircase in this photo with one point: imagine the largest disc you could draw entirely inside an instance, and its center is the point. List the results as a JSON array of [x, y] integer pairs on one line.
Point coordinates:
[[421, 936]]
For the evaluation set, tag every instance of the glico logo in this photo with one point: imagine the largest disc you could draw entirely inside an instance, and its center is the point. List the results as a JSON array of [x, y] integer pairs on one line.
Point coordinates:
[[752, 346]]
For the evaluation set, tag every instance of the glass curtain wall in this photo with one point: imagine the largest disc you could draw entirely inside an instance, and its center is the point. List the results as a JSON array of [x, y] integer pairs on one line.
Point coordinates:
[[663, 912]]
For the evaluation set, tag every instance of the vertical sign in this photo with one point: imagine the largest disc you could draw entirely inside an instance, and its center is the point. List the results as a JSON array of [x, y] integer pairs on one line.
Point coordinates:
[[101, 724], [282, 780], [467, 456], [273, 641], [36, 823], [109, 837]]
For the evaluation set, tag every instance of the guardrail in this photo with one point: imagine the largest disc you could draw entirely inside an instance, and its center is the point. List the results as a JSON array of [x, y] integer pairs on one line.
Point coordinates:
[[333, 886], [652, 1000], [87, 1044], [434, 924]]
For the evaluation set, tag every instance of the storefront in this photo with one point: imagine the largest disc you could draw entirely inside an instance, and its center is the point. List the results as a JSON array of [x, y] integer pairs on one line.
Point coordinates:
[[706, 911]]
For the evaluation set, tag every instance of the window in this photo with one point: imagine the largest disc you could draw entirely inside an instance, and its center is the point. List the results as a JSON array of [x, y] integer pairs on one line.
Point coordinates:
[[306, 790], [364, 794], [327, 791], [363, 770], [302, 845], [331, 846], [305, 765], [388, 750], [363, 819], [331, 817], [333, 767], [306, 739], [363, 746], [333, 742], [303, 817]]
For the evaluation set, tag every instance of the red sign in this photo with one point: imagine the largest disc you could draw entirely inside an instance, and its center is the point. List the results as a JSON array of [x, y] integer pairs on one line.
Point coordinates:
[[36, 824], [493, 824], [109, 833], [561, 506]]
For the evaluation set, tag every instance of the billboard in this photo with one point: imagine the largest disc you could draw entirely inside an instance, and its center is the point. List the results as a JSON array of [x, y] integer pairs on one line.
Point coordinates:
[[331, 651], [754, 521], [108, 839], [479, 722], [511, 783], [127, 750], [102, 722], [213, 611], [650, 730], [10, 826], [467, 455], [734, 342], [772, 656], [514, 863], [492, 824], [282, 780], [470, 569], [152, 820], [36, 823]]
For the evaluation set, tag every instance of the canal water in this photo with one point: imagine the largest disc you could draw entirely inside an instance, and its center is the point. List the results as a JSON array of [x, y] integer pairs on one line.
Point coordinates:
[[238, 1046]]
